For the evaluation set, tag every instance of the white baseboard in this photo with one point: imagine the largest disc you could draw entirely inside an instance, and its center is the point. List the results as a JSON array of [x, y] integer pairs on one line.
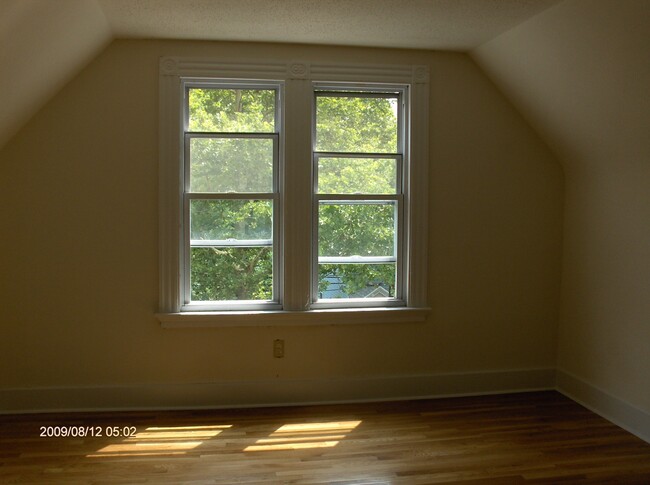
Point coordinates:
[[619, 412], [271, 392]]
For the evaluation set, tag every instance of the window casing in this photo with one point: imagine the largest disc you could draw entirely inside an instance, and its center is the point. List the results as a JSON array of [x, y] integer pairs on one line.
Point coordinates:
[[295, 193]]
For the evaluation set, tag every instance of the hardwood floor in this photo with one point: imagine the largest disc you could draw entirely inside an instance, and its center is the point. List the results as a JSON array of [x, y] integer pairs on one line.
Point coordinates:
[[509, 439]]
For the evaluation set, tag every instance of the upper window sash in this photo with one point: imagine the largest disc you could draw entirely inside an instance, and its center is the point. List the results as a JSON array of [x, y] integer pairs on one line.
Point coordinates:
[[364, 92]]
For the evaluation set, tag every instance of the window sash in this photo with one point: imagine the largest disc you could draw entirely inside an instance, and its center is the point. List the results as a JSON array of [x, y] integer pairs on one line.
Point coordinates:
[[189, 304], [398, 257]]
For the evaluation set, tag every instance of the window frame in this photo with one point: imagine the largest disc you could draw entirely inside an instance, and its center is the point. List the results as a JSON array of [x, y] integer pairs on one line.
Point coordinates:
[[375, 91], [188, 305], [296, 78]]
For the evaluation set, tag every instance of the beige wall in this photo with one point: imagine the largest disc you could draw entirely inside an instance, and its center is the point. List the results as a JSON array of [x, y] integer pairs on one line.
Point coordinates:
[[78, 208], [579, 72]]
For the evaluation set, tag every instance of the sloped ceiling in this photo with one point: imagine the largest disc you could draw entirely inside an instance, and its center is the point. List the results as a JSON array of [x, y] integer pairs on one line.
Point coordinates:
[[44, 43], [580, 73]]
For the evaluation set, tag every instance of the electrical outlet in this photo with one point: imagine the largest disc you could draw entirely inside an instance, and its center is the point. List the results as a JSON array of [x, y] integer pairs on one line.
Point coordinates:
[[278, 348]]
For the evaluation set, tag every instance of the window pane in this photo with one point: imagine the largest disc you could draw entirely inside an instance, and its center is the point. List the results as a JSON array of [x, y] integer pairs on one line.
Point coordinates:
[[231, 219], [356, 229], [232, 110], [356, 124], [357, 175], [231, 165], [231, 273], [356, 280]]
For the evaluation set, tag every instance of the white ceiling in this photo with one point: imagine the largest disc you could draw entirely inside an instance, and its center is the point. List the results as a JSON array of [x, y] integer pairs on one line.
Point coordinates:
[[423, 24]]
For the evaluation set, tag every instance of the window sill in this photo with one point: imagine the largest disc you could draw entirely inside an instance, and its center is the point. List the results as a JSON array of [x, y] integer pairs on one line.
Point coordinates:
[[289, 318]]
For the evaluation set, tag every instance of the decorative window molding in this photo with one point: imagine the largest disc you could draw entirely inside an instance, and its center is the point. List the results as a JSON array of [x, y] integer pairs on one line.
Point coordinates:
[[298, 78]]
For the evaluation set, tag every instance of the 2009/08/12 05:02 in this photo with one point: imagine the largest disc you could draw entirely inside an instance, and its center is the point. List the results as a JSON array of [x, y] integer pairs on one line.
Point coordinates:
[[87, 431]]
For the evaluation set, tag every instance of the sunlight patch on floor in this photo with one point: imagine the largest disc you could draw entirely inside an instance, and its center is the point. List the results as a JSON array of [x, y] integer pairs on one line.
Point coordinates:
[[305, 435], [156, 440]]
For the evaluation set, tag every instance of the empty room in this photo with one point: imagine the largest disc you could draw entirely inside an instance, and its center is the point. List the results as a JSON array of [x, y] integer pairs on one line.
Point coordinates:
[[325, 241]]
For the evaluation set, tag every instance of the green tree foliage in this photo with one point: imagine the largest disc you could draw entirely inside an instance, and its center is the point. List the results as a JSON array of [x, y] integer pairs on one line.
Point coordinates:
[[356, 125], [234, 164], [232, 110], [356, 175], [344, 124], [231, 164], [231, 273], [242, 273], [365, 229]]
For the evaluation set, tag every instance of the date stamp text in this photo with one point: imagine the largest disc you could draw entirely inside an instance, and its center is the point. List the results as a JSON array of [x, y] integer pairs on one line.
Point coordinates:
[[87, 431]]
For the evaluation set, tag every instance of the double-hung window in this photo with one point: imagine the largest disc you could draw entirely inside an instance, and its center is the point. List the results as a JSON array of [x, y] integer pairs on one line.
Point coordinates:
[[231, 201], [358, 195], [292, 192]]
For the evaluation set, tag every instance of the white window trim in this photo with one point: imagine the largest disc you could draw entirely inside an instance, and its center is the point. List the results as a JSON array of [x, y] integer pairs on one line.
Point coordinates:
[[296, 186]]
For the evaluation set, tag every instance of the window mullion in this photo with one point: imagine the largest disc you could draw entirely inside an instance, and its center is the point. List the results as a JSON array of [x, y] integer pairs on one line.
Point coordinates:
[[297, 196]]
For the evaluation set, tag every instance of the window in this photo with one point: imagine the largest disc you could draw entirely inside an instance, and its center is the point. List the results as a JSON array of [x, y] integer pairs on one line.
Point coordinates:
[[358, 197], [292, 191], [231, 198]]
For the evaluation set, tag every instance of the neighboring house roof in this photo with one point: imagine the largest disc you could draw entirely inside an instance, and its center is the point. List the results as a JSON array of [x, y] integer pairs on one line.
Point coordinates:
[[335, 285], [372, 292]]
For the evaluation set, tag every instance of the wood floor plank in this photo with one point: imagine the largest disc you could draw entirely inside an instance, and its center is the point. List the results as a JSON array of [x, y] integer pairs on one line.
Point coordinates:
[[526, 438]]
